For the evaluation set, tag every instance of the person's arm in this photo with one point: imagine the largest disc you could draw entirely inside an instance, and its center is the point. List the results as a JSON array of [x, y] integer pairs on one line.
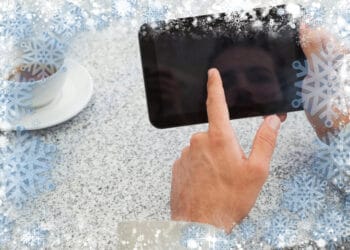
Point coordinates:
[[214, 182]]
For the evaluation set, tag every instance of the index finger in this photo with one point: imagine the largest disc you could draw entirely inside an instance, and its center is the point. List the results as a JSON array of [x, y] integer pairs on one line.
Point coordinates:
[[218, 114]]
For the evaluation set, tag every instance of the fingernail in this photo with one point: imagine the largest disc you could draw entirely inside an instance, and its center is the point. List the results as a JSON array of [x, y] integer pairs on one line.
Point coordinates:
[[211, 72], [274, 122]]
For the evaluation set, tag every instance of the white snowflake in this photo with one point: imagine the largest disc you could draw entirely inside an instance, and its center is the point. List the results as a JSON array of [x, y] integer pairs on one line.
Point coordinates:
[[25, 165], [333, 160], [15, 100], [304, 195], [34, 237], [324, 85], [42, 57]]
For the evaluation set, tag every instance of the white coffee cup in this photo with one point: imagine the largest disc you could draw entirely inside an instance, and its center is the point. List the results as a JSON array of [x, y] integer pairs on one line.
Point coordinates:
[[47, 89], [44, 91]]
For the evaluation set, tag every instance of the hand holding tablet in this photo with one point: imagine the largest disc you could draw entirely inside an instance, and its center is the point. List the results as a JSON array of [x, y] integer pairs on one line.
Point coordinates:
[[254, 52]]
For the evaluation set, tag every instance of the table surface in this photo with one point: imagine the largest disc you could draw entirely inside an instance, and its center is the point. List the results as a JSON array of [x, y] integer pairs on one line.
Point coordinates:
[[112, 165]]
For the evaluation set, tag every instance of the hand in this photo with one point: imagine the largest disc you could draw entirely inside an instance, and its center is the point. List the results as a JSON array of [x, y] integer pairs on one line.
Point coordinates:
[[213, 181], [313, 42]]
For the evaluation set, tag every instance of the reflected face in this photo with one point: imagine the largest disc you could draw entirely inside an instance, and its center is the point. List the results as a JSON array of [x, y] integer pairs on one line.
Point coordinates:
[[249, 76]]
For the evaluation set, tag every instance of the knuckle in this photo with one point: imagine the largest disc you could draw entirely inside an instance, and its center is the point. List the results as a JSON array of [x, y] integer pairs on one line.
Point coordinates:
[[218, 140], [196, 139], [185, 152], [267, 139], [259, 170], [262, 170], [218, 136]]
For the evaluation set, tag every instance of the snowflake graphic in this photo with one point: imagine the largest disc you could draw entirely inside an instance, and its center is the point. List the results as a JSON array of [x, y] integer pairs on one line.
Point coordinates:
[[192, 236], [331, 226], [123, 8], [333, 160], [279, 230], [42, 57], [324, 85], [25, 165], [15, 100], [154, 11], [17, 25], [6, 227], [304, 195], [68, 23], [34, 237]]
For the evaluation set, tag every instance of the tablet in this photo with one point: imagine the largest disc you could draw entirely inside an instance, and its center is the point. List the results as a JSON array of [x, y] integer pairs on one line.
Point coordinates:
[[254, 52]]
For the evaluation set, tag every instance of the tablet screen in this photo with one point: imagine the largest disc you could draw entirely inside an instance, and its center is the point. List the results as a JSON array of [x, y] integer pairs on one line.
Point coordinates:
[[254, 52]]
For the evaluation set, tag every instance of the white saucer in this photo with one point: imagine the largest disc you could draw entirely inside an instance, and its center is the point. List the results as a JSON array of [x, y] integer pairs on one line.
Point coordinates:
[[74, 97]]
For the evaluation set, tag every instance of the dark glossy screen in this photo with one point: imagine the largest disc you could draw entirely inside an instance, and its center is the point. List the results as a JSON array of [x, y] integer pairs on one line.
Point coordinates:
[[253, 51]]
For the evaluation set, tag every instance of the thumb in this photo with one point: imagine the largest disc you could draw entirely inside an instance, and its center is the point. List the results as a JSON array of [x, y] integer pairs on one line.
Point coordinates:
[[265, 142]]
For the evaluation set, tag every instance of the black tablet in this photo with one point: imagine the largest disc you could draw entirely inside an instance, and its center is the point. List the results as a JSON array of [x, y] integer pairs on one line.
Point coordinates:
[[254, 52]]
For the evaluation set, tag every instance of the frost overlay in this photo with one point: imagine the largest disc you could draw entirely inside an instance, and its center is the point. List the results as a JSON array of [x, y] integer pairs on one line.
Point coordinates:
[[25, 165], [38, 37]]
